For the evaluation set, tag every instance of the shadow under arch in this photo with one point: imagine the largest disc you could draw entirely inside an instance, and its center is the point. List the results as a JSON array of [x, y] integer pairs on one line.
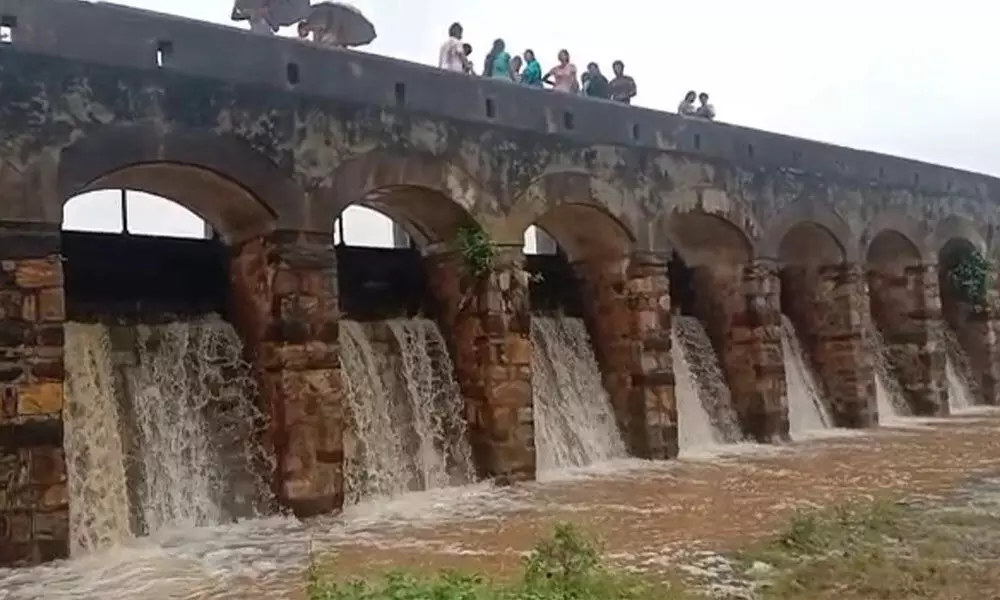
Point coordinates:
[[965, 279], [900, 337], [237, 190]]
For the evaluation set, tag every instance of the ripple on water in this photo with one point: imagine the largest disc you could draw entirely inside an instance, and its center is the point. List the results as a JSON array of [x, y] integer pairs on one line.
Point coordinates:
[[269, 558]]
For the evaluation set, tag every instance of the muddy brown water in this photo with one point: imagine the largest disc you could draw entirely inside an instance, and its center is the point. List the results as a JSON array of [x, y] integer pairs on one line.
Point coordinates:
[[644, 513]]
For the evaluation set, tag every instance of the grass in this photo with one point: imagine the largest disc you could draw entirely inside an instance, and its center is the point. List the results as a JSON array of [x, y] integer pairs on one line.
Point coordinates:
[[864, 551], [566, 566], [881, 551]]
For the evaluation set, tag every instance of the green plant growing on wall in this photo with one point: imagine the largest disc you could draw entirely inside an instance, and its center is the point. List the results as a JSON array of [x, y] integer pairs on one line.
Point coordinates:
[[478, 251], [970, 277]]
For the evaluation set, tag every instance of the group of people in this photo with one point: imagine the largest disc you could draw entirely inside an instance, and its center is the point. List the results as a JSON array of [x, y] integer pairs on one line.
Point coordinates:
[[525, 69], [704, 110]]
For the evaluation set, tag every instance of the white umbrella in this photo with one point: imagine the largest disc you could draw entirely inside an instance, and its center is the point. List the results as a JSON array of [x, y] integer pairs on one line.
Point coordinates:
[[339, 24], [278, 13]]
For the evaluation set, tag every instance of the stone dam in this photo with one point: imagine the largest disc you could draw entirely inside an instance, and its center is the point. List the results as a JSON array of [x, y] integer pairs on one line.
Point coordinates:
[[702, 283]]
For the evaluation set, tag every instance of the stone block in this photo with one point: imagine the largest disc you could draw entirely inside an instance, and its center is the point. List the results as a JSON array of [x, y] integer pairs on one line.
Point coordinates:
[[51, 305], [51, 525], [47, 466], [34, 273], [54, 496], [29, 308], [40, 398], [15, 527]]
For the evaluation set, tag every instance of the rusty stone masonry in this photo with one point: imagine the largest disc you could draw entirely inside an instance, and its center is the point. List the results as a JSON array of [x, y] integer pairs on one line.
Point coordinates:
[[826, 304], [259, 141], [627, 305], [488, 323], [34, 502], [740, 308], [976, 326], [906, 308], [286, 306]]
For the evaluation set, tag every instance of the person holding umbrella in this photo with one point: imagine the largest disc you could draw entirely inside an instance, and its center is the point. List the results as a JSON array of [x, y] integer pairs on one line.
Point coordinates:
[[336, 24]]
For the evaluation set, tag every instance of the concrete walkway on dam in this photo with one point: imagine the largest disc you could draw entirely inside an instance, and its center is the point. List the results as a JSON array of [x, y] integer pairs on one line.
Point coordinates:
[[650, 518]]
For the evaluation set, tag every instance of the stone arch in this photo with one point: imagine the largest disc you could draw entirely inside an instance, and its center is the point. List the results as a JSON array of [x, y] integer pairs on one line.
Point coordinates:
[[430, 196], [237, 190], [810, 243], [586, 231], [704, 238], [892, 249], [577, 188], [953, 228], [818, 218], [900, 225]]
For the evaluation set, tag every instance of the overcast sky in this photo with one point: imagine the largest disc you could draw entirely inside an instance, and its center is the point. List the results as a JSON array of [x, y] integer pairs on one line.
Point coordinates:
[[916, 79]]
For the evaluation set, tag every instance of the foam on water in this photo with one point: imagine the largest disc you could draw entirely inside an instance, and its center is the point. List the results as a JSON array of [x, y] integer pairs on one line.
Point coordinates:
[[807, 408], [406, 416], [197, 426], [706, 421], [574, 422], [95, 458]]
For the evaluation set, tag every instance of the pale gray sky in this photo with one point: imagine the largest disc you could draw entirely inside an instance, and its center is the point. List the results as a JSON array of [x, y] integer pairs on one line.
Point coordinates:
[[906, 78]]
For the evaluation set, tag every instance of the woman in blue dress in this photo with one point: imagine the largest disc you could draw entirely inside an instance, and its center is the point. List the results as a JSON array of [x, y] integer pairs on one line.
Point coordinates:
[[532, 73]]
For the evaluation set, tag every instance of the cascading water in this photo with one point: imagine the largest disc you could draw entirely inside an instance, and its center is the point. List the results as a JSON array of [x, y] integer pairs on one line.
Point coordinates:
[[889, 398], [186, 401], [438, 409], [959, 396], [807, 410], [705, 415], [574, 422], [193, 401], [407, 415], [962, 391], [95, 459]]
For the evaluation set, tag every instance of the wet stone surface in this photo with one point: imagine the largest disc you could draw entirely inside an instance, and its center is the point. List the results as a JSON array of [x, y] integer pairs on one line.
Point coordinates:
[[652, 518]]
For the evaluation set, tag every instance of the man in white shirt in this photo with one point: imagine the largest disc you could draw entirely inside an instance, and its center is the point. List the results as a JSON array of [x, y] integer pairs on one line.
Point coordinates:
[[452, 56]]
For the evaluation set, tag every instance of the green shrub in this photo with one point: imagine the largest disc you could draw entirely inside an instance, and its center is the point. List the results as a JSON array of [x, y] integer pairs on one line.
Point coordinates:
[[563, 567]]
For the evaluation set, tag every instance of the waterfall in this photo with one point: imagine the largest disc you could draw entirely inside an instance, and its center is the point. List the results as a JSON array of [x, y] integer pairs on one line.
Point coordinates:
[[963, 391], [407, 416], [807, 409], [574, 423], [185, 397], [889, 398], [193, 400], [95, 460], [705, 413], [959, 395]]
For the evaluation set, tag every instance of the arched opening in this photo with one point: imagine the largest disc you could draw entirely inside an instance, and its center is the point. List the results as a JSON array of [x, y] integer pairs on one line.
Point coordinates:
[[714, 392], [812, 266], [965, 278], [139, 257], [161, 419], [406, 427], [898, 334], [581, 337]]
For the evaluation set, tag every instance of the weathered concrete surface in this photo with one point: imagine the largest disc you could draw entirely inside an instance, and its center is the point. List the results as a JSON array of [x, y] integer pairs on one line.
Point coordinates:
[[270, 139]]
